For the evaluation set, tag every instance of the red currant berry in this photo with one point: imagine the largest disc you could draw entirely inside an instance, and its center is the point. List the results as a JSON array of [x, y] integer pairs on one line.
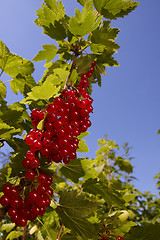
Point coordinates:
[[30, 174], [7, 189], [30, 154], [34, 163], [5, 200], [26, 163], [36, 145], [12, 212], [29, 139], [38, 134], [33, 196], [22, 221], [50, 191], [16, 202], [42, 178]]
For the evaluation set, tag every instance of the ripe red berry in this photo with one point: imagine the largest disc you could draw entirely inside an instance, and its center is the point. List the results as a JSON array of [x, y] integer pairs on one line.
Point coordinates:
[[30, 174], [12, 212], [34, 163], [26, 163], [5, 200], [30, 154], [29, 139], [42, 178], [16, 202], [33, 196], [7, 189], [22, 221], [36, 145]]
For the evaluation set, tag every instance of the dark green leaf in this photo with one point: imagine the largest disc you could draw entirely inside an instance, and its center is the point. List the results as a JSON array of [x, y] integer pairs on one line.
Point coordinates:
[[73, 170], [147, 231], [73, 210], [7, 131], [77, 203], [56, 31], [22, 84], [83, 63], [109, 194], [124, 165]]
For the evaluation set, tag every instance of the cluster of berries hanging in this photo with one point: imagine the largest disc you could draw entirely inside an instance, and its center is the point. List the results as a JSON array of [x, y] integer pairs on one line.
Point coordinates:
[[64, 120]]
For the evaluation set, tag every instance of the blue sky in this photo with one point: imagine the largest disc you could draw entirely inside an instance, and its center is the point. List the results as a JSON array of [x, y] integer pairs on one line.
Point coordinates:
[[126, 107]]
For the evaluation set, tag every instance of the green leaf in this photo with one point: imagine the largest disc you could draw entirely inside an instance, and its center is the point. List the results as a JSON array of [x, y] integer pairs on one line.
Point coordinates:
[[7, 227], [4, 54], [14, 235], [108, 193], [22, 84], [13, 64], [69, 236], [90, 170], [105, 35], [73, 170], [124, 165], [51, 12], [45, 91], [82, 146], [82, 135], [127, 226], [83, 23], [158, 131], [73, 210], [7, 131], [3, 89], [147, 231], [39, 235], [112, 9], [56, 31], [83, 63], [48, 53], [9, 115], [76, 203]]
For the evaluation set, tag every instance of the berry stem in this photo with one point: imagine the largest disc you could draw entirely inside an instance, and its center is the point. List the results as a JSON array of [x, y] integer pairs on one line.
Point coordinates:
[[24, 232], [71, 70], [60, 231], [109, 170]]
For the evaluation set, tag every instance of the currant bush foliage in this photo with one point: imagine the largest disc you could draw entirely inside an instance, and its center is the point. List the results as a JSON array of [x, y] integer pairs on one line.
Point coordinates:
[[92, 198]]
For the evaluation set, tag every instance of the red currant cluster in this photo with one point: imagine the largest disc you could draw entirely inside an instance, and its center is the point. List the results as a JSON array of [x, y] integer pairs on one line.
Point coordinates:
[[64, 119], [20, 209]]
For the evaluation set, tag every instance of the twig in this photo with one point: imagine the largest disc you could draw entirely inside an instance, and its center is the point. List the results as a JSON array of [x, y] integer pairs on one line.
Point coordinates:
[[60, 231], [1, 72], [71, 70], [109, 170], [6, 81], [24, 232]]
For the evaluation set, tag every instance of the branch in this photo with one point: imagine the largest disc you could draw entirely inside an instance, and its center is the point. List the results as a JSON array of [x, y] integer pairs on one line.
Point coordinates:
[[1, 72], [109, 170], [71, 70], [60, 231], [24, 232], [7, 81]]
